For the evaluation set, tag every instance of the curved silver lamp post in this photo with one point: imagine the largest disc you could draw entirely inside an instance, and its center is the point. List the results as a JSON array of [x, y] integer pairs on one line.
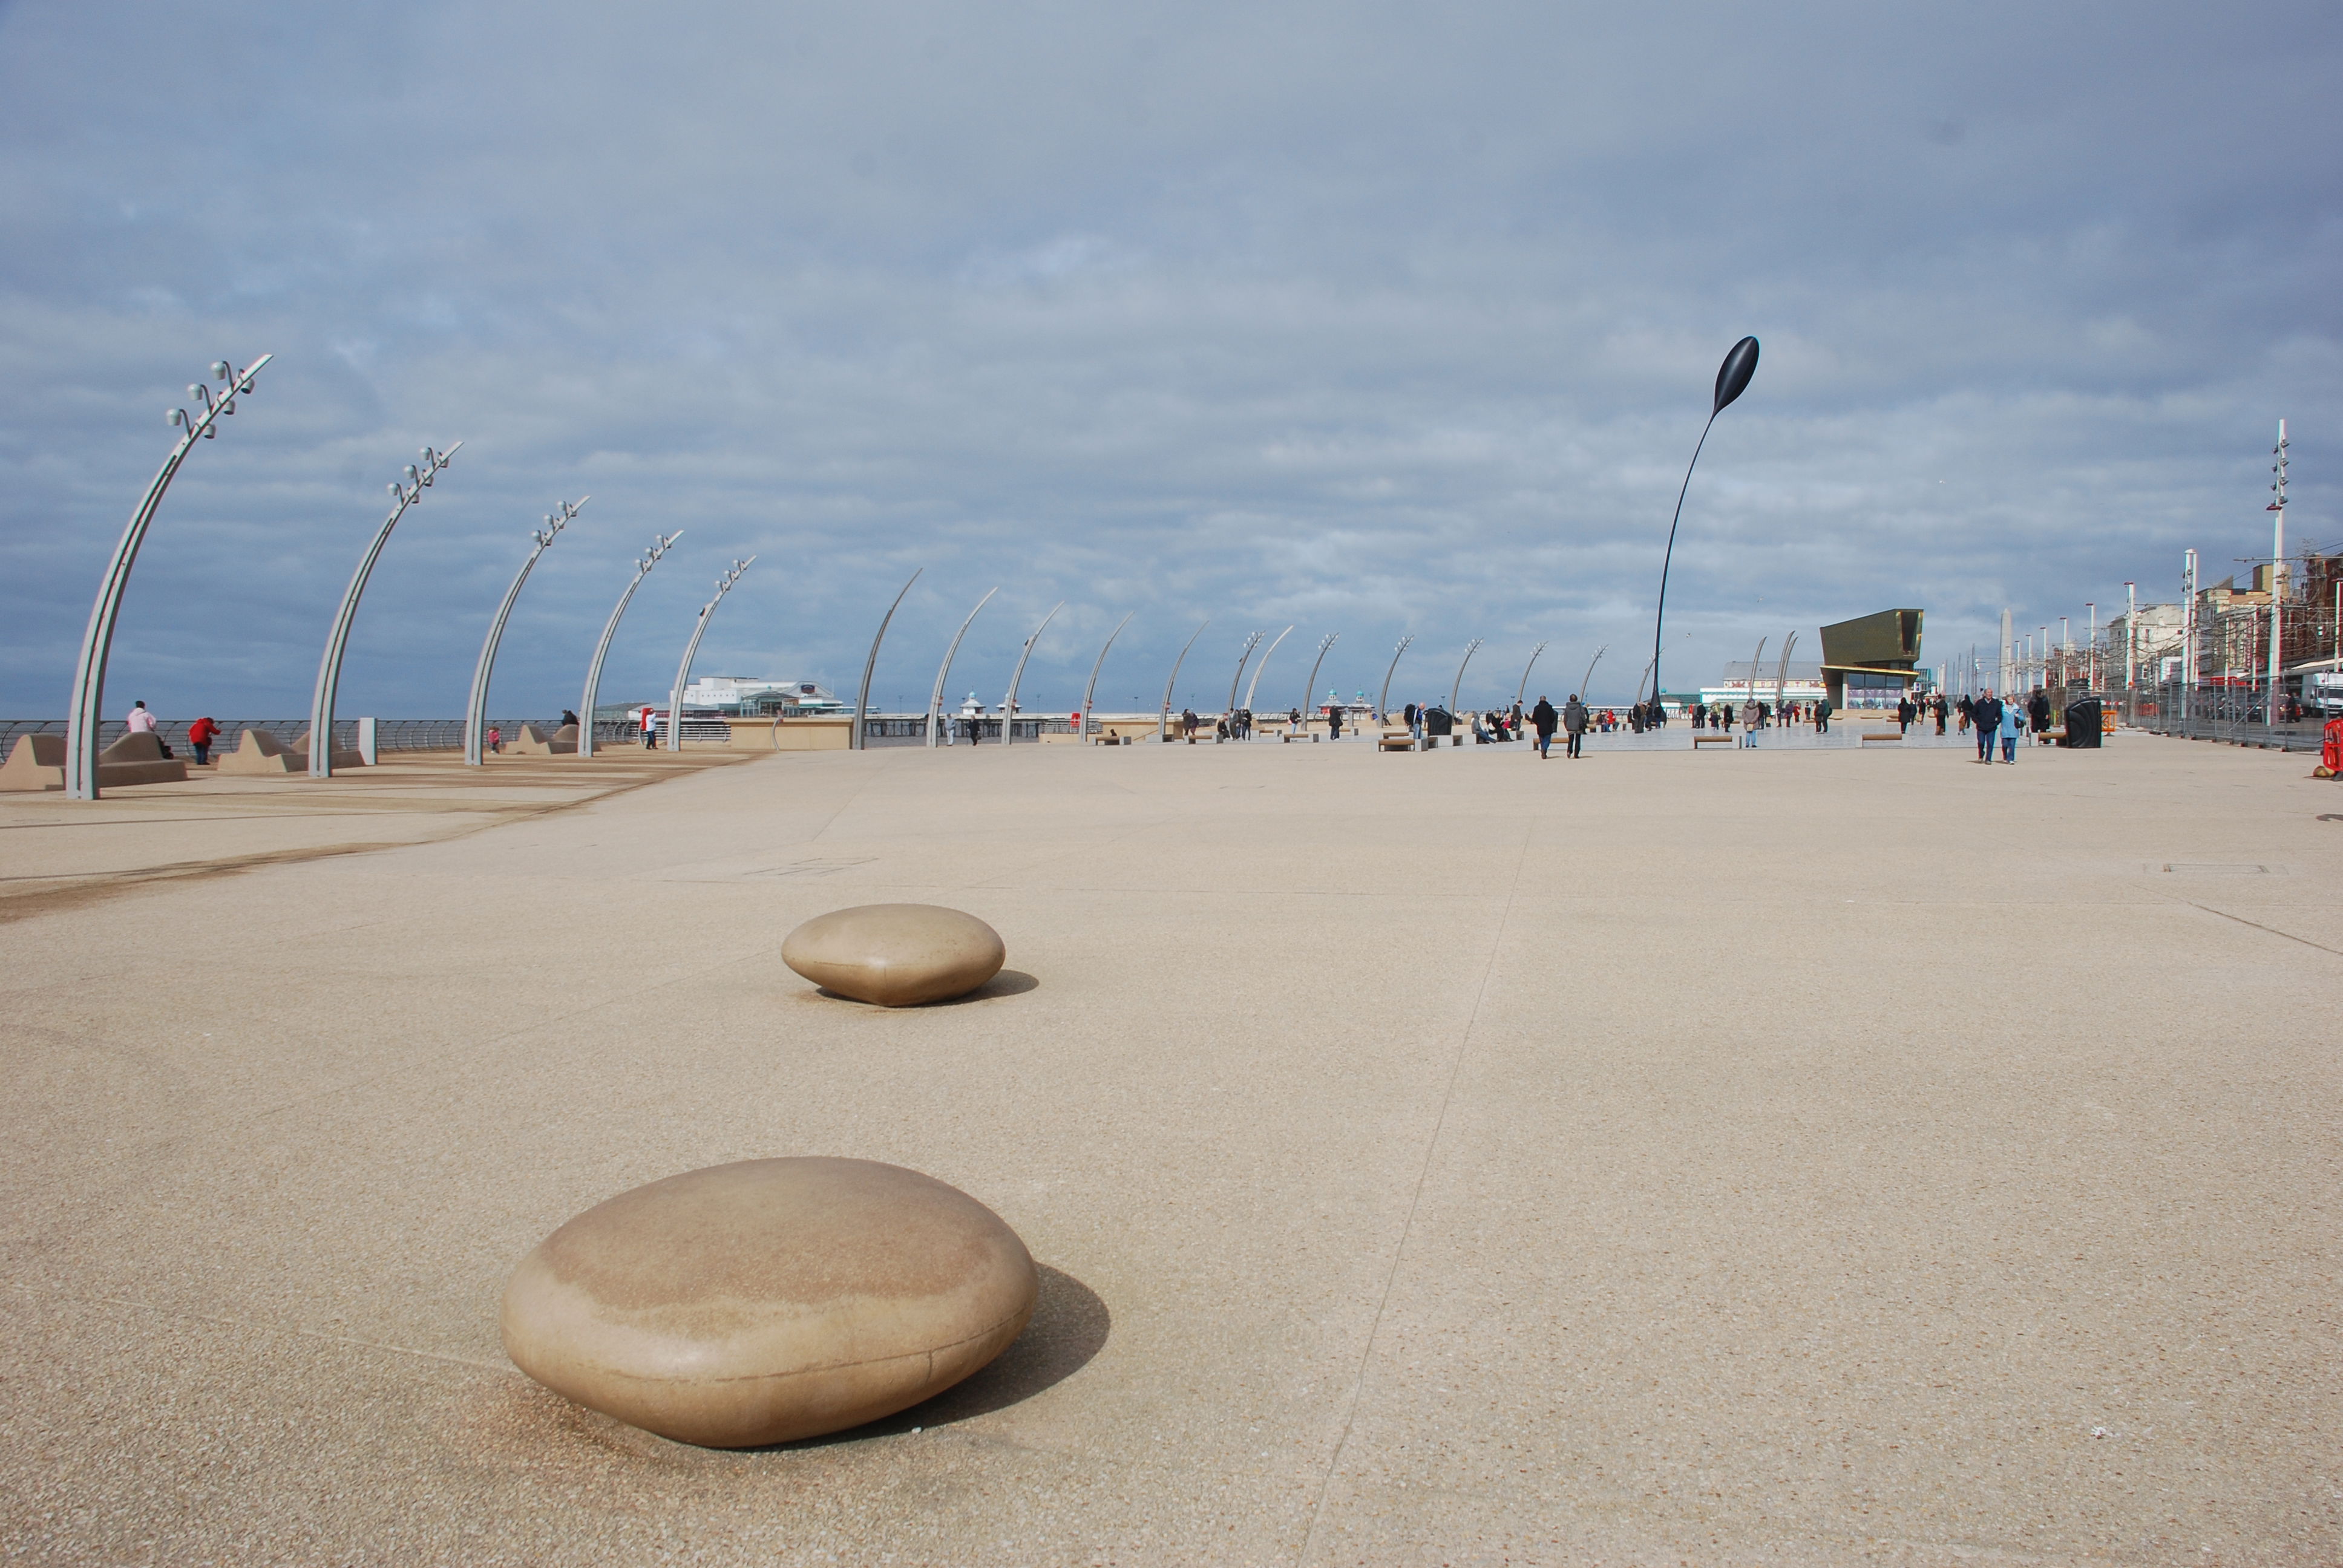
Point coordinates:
[[1587, 680], [1009, 703], [98, 639], [1252, 641], [855, 743], [1163, 716], [683, 671], [660, 545], [1382, 699], [1083, 733], [476, 711], [1471, 649], [943, 670], [1525, 685], [1732, 380], [1309, 687], [1781, 670], [329, 667], [1262, 666]]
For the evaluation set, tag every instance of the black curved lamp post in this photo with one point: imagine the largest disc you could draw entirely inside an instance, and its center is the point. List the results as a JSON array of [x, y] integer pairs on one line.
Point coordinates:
[[1732, 380]]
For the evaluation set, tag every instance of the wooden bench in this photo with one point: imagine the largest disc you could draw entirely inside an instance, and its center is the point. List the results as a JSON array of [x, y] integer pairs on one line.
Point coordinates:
[[1699, 740], [1395, 740], [1871, 735]]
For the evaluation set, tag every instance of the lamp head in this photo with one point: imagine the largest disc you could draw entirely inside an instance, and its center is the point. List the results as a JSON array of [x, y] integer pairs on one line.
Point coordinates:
[[175, 416], [1733, 376], [219, 369]]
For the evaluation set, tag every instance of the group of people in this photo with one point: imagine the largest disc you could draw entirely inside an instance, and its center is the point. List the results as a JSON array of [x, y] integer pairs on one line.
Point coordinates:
[[1994, 718], [201, 734], [1754, 713]]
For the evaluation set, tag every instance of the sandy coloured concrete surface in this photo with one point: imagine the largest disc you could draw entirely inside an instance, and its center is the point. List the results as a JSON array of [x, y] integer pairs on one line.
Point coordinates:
[[1775, 1157]]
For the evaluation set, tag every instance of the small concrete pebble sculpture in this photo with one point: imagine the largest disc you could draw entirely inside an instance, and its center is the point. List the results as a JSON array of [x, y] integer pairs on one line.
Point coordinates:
[[769, 1300], [896, 955]]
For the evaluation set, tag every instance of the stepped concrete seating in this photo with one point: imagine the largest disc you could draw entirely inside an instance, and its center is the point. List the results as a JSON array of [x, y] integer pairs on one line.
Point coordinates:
[[1395, 740], [259, 752], [39, 762], [534, 742]]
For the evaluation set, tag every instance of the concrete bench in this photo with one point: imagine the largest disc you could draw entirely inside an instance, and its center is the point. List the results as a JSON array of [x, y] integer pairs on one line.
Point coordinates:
[[1395, 740], [1289, 738]]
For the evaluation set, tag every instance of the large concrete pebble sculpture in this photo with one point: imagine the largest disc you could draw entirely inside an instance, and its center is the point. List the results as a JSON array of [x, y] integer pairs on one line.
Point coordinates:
[[897, 955], [769, 1300]]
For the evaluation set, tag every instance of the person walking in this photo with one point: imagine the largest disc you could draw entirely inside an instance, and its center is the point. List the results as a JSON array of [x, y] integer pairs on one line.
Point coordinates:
[[1573, 723], [2012, 726], [1542, 720], [1966, 709], [1938, 706], [496, 739], [1986, 714], [650, 731], [1822, 716], [200, 735], [2037, 711], [1333, 721], [1904, 715]]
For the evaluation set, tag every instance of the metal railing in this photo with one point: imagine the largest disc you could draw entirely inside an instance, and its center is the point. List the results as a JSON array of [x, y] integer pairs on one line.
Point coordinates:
[[389, 734], [2235, 714]]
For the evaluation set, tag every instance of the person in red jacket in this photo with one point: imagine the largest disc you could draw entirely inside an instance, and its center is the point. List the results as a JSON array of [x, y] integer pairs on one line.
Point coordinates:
[[200, 735]]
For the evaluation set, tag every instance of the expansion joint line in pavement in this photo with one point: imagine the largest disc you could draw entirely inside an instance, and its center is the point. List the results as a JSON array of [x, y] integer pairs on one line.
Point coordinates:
[[1415, 1200], [2273, 931]]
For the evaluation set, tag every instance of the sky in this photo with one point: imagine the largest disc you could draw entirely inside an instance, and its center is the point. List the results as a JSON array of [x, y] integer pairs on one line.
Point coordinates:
[[1370, 319]]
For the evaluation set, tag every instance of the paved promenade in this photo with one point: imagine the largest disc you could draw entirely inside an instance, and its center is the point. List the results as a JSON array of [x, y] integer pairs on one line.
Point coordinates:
[[1804, 1156]]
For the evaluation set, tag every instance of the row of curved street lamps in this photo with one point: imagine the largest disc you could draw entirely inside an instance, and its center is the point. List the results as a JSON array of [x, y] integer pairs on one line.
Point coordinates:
[[200, 423]]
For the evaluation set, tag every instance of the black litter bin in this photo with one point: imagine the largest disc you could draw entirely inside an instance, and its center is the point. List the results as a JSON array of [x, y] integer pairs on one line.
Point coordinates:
[[2083, 722]]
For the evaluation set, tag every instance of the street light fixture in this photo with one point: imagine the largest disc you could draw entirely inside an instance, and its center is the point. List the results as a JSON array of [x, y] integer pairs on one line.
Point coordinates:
[[1009, 703], [1310, 686], [1163, 714], [1382, 699], [683, 671], [1519, 691], [1586, 682], [476, 711], [405, 493], [943, 670], [87, 711], [1262, 666], [1470, 649], [1082, 732], [1252, 641], [1732, 380], [660, 545], [856, 741]]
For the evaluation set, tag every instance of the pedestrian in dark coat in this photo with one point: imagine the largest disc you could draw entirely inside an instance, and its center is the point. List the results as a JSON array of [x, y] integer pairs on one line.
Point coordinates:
[[1542, 718], [1573, 723]]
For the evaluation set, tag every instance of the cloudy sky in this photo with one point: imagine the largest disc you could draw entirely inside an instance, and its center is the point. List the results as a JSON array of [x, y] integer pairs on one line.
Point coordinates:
[[1369, 319]]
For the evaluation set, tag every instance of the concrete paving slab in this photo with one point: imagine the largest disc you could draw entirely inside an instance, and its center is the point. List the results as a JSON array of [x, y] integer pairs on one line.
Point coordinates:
[[1865, 1156]]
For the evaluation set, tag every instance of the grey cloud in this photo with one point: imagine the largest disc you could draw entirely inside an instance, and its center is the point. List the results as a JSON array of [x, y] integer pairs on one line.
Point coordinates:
[[1376, 318]]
